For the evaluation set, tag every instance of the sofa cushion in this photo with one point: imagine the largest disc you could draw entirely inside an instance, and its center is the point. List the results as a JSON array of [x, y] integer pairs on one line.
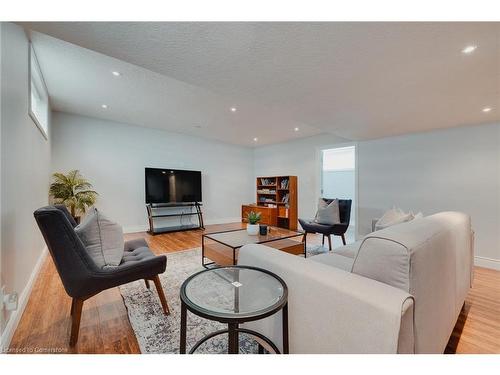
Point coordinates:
[[102, 238], [335, 260], [328, 214], [349, 250]]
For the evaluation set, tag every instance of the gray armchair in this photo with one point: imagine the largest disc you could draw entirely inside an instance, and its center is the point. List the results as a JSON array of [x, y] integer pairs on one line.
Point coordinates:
[[310, 226], [79, 274]]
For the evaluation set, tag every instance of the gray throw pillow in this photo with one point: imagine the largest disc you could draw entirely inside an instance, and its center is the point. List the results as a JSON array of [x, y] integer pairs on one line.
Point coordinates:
[[328, 214], [102, 238]]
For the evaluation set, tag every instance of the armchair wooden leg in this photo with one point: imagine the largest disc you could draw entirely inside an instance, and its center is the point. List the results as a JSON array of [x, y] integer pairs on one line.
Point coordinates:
[[72, 306], [147, 283], [163, 300], [304, 237], [323, 241], [343, 239], [329, 242], [76, 315]]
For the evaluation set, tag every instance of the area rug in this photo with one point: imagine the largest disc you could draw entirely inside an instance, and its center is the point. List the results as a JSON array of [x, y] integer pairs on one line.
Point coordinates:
[[159, 333]]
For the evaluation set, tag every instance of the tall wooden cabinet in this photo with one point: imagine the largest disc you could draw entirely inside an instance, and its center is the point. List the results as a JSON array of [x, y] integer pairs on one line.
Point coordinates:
[[276, 201]]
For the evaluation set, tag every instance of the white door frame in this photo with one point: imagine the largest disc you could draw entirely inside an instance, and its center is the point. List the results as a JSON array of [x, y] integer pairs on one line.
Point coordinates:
[[319, 175]]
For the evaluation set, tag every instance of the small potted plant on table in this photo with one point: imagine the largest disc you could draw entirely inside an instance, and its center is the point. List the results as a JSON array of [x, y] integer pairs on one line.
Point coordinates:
[[253, 223]]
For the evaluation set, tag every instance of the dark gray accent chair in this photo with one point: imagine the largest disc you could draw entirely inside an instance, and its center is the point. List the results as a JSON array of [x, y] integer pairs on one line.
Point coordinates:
[[310, 226], [79, 274]]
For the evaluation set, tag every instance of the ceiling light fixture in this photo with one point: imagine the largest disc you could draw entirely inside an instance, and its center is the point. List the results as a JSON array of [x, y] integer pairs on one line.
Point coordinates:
[[486, 109], [233, 109], [255, 139], [296, 129], [469, 49], [104, 106], [116, 74]]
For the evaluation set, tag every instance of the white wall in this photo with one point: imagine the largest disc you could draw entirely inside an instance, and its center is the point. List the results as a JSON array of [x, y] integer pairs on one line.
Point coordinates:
[[452, 169], [25, 169], [113, 157]]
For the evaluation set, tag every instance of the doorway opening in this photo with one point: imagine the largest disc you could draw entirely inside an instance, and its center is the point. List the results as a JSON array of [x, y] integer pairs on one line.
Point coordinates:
[[338, 179]]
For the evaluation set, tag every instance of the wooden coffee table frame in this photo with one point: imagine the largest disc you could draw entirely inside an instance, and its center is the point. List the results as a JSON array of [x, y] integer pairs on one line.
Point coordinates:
[[285, 241]]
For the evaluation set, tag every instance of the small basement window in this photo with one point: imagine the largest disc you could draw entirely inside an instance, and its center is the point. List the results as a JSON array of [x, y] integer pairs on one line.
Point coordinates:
[[38, 96]]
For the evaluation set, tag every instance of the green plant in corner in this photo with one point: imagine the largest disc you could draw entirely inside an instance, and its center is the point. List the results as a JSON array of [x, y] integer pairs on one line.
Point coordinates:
[[72, 190], [253, 217]]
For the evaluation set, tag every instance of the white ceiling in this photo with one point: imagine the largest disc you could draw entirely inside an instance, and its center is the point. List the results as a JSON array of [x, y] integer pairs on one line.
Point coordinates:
[[356, 80]]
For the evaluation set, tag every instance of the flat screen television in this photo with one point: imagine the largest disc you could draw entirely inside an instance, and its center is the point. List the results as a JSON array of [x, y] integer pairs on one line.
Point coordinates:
[[172, 186]]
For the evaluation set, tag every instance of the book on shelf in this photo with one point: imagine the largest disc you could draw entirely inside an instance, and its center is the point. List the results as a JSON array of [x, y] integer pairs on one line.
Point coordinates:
[[284, 183], [267, 181], [266, 191], [285, 198]]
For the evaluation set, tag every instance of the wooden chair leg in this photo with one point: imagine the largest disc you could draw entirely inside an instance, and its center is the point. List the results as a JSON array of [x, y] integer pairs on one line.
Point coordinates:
[[163, 300], [329, 242], [304, 237], [323, 241], [343, 239], [75, 320], [72, 306], [147, 283]]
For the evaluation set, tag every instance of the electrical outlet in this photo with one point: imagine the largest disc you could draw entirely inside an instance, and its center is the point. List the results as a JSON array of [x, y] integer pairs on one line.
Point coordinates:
[[8, 301]]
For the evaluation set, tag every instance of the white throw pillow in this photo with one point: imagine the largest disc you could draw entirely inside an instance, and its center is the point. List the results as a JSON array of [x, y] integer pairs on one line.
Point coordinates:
[[419, 215], [102, 238], [328, 214], [392, 217]]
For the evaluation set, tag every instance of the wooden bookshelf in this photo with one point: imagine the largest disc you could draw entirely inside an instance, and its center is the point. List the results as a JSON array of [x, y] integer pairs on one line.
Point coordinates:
[[276, 200]]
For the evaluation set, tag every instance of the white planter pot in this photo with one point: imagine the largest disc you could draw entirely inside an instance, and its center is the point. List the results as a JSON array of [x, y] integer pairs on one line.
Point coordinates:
[[253, 229]]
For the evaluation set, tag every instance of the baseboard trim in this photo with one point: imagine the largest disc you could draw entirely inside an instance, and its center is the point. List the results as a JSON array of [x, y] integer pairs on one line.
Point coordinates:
[[23, 298], [226, 220], [491, 263], [144, 228], [135, 229]]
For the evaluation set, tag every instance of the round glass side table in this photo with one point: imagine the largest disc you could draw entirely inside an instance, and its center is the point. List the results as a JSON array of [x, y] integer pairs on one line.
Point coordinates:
[[234, 295]]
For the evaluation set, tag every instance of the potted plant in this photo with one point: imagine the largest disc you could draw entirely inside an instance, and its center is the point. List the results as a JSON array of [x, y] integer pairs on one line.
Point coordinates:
[[74, 191], [253, 220]]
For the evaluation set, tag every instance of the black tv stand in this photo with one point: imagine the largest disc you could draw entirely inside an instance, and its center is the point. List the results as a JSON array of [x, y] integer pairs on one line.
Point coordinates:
[[151, 207]]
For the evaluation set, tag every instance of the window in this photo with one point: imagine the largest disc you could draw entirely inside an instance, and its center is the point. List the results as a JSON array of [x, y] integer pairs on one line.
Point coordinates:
[[339, 159], [38, 96]]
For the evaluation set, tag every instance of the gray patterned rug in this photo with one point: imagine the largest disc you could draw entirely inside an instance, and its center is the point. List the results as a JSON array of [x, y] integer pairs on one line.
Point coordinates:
[[158, 333]]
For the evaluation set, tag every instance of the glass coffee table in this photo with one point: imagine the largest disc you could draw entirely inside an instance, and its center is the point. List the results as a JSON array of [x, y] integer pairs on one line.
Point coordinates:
[[234, 295], [221, 248]]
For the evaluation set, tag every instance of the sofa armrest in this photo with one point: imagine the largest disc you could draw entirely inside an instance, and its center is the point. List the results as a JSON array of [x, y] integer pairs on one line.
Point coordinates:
[[331, 310]]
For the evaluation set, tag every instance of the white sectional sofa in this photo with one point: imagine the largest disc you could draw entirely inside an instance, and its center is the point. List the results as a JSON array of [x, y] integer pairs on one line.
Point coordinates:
[[399, 290]]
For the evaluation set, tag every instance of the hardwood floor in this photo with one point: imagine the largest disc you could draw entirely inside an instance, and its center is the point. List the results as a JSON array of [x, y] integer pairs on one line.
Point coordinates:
[[105, 328]]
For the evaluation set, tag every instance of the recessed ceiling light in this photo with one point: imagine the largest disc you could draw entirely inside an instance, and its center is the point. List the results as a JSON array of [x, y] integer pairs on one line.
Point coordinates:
[[116, 74], [255, 139], [469, 49], [296, 129], [104, 106], [486, 109], [233, 109]]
